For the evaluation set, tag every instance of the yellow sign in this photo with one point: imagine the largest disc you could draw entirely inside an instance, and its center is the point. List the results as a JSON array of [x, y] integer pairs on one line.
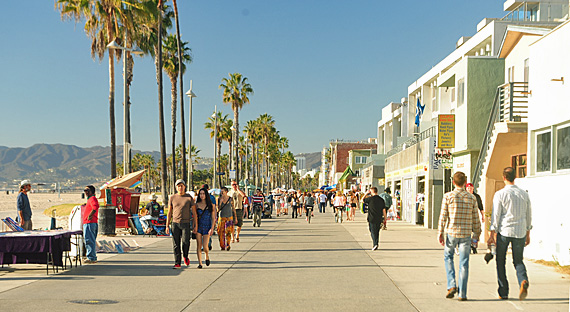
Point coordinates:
[[446, 131]]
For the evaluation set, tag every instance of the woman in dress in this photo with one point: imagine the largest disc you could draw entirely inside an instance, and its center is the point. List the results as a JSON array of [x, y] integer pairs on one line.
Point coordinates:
[[227, 219], [205, 216]]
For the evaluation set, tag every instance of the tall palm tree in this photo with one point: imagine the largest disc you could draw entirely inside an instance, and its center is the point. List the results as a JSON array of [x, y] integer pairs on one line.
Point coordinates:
[[102, 26], [180, 49], [172, 69], [266, 128], [236, 91], [158, 62], [215, 124]]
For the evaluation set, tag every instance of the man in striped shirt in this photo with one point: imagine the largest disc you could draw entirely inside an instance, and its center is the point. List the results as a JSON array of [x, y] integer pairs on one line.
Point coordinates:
[[511, 223], [459, 219], [257, 204]]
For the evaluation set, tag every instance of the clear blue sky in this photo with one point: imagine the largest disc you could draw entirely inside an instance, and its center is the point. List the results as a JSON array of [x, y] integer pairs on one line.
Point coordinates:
[[322, 68]]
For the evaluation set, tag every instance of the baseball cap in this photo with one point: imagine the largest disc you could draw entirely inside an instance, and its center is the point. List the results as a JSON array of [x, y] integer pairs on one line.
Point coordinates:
[[180, 181], [469, 185], [25, 182]]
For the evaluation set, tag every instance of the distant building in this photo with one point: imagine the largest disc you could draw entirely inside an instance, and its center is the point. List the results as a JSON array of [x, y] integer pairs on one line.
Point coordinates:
[[301, 163], [339, 155]]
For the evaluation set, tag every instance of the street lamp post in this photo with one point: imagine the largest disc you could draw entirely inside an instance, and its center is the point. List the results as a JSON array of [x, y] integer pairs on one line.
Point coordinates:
[[215, 147], [191, 95], [126, 106]]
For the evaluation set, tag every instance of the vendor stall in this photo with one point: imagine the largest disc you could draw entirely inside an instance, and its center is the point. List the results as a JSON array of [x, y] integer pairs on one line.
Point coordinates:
[[121, 202]]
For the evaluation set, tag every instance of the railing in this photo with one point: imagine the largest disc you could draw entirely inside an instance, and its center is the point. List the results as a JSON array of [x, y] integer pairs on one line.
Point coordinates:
[[428, 133], [510, 104], [523, 12]]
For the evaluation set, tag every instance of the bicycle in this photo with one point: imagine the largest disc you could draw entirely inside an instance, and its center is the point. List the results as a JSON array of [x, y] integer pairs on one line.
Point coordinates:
[[338, 214]]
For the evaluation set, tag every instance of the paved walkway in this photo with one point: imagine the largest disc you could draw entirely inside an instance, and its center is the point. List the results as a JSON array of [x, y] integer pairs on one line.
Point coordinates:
[[286, 265]]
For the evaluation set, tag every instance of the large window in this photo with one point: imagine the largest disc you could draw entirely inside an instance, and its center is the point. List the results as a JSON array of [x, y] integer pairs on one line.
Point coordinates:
[[543, 152], [526, 70], [460, 92], [563, 148]]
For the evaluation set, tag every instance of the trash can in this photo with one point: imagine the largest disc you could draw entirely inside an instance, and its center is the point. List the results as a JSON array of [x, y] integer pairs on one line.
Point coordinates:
[[107, 215]]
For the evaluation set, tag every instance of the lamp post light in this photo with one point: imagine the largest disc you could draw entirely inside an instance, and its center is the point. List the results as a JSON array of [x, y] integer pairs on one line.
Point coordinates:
[[126, 105], [191, 95]]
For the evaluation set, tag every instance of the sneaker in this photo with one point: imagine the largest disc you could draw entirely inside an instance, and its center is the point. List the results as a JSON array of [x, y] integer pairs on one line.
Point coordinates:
[[87, 261], [451, 292], [177, 266], [375, 247], [187, 261], [462, 299], [207, 262], [503, 298], [524, 290]]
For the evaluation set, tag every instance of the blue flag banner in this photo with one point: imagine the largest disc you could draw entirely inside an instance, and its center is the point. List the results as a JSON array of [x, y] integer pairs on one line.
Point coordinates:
[[419, 112]]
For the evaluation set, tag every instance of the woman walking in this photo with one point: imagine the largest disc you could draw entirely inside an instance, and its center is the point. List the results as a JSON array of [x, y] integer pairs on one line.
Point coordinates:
[[203, 223], [227, 219], [353, 204], [339, 204]]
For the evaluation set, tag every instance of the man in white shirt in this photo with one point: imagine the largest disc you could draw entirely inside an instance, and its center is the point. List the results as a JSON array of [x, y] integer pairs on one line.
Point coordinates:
[[322, 202], [511, 223]]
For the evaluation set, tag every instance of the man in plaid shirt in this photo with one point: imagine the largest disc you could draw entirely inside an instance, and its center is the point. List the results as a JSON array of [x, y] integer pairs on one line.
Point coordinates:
[[459, 218]]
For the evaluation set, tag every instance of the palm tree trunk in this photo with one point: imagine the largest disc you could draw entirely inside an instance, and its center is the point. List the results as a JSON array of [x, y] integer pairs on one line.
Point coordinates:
[[161, 107], [112, 113], [182, 124], [173, 96]]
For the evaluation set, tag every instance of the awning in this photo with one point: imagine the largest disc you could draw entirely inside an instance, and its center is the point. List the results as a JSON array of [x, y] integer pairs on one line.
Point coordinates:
[[347, 172], [128, 181]]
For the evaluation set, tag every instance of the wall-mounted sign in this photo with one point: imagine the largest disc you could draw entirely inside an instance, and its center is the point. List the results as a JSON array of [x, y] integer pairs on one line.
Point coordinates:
[[444, 157], [446, 131]]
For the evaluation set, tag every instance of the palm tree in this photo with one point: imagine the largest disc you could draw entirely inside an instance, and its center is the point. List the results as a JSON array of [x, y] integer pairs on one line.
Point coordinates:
[[101, 25], [236, 91], [160, 102], [181, 61], [171, 67], [266, 129], [216, 127]]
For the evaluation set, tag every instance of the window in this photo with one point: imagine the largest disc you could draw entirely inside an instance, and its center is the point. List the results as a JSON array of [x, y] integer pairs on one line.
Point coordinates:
[[460, 92], [518, 162], [563, 148], [453, 95], [360, 159], [543, 152], [526, 70]]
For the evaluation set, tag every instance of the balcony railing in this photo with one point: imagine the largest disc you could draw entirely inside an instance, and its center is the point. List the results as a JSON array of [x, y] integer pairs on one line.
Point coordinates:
[[510, 105], [428, 133]]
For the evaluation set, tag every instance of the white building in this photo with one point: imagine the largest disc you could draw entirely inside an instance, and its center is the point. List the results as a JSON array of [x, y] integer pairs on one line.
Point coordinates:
[[463, 84], [548, 153]]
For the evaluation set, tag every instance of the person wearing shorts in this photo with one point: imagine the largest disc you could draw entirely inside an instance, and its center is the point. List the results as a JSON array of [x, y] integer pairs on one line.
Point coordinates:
[[237, 196]]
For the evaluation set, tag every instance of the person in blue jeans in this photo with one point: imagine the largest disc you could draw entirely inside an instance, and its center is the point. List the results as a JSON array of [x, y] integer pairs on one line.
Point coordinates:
[[89, 214], [511, 222], [459, 221]]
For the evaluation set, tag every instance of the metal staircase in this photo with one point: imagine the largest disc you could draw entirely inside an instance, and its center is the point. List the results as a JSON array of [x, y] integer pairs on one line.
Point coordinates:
[[510, 105]]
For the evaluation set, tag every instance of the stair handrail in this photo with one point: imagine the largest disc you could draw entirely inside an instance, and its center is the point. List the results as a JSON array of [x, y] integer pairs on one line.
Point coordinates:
[[493, 118]]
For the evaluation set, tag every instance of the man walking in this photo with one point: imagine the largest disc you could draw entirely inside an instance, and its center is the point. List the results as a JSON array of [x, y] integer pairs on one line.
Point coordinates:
[[458, 219], [237, 196], [180, 215], [23, 206], [511, 222], [322, 202], [388, 202], [90, 214], [376, 214]]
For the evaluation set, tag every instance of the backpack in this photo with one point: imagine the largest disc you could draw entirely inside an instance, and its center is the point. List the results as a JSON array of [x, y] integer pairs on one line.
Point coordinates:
[[311, 201]]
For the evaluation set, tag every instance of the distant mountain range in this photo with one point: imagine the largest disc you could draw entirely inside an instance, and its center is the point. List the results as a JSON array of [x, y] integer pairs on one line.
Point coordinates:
[[68, 164], [75, 166]]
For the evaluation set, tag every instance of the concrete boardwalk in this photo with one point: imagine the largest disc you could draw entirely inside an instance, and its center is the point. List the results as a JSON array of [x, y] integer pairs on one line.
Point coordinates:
[[286, 265]]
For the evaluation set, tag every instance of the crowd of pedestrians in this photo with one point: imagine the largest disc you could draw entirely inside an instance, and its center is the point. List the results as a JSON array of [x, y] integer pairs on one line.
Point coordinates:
[[201, 215]]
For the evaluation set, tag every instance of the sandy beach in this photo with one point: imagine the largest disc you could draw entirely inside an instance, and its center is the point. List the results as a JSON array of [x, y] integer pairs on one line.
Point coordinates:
[[39, 203]]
